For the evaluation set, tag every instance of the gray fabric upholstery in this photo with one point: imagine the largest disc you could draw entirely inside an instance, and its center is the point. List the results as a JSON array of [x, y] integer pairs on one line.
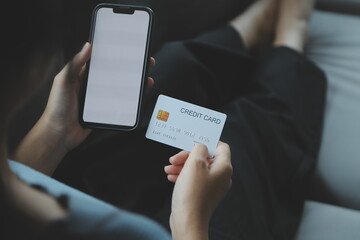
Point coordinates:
[[323, 221], [340, 6], [334, 45]]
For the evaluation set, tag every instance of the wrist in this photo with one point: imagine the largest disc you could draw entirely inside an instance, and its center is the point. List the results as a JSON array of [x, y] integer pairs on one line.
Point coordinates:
[[190, 225], [42, 148], [52, 131]]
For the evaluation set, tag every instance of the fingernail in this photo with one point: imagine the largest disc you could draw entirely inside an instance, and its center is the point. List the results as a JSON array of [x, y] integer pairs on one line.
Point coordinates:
[[85, 46]]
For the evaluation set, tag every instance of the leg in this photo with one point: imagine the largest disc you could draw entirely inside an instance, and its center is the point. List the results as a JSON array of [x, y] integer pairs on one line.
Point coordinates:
[[292, 29], [291, 36], [263, 15], [275, 136], [273, 151]]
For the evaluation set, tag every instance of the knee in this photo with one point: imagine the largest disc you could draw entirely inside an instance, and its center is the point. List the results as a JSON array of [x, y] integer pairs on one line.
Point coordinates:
[[174, 58], [173, 47], [174, 52]]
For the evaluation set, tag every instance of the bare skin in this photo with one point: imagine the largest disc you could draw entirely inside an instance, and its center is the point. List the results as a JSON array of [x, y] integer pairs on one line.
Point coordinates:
[[256, 25], [292, 25], [283, 22]]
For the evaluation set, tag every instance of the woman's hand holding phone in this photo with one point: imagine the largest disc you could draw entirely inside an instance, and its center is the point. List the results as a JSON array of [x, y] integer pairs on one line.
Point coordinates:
[[200, 184], [59, 130], [62, 110], [61, 115]]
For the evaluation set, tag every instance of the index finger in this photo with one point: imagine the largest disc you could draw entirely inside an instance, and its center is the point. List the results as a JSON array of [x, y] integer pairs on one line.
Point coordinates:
[[180, 158]]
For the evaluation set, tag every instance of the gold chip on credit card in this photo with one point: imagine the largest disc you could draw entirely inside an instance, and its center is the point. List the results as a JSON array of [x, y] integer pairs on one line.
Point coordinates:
[[163, 115]]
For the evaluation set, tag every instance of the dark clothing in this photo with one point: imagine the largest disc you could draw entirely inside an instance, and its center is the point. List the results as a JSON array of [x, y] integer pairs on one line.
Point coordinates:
[[275, 113]]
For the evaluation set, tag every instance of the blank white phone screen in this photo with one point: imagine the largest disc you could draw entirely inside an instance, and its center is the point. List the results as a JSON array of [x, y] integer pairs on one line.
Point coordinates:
[[116, 67]]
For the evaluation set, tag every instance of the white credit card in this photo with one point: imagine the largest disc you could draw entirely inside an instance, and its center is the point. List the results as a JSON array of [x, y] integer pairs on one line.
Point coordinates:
[[182, 125]]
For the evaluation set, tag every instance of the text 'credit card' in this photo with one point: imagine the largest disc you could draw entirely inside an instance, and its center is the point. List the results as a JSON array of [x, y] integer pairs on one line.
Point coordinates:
[[182, 125]]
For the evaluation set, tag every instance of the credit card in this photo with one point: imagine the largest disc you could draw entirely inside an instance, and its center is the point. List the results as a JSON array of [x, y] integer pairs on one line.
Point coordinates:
[[181, 124]]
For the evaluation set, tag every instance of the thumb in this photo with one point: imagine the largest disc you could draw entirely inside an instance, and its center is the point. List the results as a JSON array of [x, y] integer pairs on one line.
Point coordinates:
[[198, 157], [73, 68], [80, 60], [222, 162]]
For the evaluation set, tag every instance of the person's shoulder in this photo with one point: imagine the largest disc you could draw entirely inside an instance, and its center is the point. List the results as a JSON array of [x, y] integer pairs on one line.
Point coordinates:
[[91, 218]]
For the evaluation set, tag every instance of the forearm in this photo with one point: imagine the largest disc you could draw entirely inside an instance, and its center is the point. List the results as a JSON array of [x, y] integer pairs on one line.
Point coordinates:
[[42, 148]]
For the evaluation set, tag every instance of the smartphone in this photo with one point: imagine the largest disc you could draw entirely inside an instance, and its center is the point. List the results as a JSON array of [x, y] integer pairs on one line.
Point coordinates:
[[115, 76]]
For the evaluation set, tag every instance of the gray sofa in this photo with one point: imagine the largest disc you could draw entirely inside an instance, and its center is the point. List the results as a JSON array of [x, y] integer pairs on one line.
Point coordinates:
[[333, 207]]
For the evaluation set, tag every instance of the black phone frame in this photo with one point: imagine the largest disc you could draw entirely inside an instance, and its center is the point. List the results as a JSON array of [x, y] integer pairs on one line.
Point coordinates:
[[105, 126]]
